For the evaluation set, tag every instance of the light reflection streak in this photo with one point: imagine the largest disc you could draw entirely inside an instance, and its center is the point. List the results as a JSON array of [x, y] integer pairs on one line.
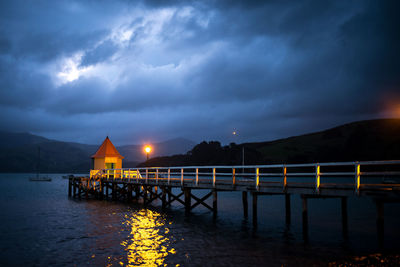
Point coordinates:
[[148, 243]]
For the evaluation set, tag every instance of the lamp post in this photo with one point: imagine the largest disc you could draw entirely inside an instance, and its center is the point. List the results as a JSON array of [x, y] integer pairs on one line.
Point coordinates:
[[147, 149], [234, 133]]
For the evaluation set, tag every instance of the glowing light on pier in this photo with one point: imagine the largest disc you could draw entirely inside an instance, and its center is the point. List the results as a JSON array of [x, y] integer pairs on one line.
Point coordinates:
[[147, 149]]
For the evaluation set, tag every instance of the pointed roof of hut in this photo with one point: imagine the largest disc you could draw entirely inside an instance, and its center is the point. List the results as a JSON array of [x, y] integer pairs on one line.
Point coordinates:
[[107, 149]]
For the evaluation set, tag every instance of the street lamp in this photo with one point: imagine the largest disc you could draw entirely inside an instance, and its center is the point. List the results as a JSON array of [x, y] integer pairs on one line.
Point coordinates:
[[147, 149], [235, 133]]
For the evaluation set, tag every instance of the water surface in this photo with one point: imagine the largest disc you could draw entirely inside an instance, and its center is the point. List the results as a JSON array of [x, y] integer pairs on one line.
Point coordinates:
[[41, 226]]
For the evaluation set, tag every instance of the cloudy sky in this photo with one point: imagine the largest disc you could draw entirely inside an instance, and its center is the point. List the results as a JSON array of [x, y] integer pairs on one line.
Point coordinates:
[[141, 71]]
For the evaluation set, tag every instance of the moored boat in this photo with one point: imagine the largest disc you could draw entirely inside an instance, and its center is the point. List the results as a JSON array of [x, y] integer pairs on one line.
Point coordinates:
[[38, 178]]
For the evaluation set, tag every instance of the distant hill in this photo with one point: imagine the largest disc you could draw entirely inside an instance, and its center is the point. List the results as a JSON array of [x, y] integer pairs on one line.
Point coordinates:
[[8, 139], [357, 141], [19, 153], [54, 157]]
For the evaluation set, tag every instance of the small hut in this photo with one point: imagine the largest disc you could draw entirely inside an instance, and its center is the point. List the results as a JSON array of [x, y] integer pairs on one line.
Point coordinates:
[[107, 157]]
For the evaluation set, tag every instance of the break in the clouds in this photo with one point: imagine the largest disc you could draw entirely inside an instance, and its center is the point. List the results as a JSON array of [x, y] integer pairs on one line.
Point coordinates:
[[149, 71]]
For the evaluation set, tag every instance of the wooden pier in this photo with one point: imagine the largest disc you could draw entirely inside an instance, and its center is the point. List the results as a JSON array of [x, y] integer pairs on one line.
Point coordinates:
[[379, 180]]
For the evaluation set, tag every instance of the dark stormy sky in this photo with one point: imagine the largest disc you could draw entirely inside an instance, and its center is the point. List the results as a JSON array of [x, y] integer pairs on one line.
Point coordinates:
[[145, 71]]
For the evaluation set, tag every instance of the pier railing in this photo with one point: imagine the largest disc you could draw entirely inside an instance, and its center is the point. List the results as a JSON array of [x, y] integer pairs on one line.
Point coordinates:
[[347, 175]]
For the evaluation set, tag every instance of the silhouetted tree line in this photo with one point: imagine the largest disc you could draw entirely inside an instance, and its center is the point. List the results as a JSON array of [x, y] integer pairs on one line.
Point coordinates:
[[358, 141]]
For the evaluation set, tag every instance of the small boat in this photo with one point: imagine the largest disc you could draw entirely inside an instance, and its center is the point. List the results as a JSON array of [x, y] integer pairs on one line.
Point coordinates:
[[38, 178]]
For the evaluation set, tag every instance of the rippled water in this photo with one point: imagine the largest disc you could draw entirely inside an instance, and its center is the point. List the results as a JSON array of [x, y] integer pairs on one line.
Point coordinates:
[[41, 226]]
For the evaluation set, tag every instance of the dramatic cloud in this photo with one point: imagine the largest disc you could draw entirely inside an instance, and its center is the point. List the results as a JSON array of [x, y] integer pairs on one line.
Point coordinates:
[[153, 70]]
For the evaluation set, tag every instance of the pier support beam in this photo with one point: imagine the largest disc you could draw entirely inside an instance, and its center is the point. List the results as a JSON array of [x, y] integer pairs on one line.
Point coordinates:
[[101, 192], [114, 191], [86, 188], [129, 198], [287, 209], [344, 218], [74, 187], [169, 196], [188, 200], [172, 197], [254, 196], [215, 201], [305, 219], [245, 204], [164, 197], [79, 190], [144, 194], [380, 222], [69, 187], [137, 192]]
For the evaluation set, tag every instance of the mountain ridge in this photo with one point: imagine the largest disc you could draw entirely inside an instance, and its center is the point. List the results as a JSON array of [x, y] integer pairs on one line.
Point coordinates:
[[377, 139]]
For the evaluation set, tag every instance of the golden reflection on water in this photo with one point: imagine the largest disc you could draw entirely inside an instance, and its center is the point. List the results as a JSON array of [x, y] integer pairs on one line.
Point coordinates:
[[148, 242]]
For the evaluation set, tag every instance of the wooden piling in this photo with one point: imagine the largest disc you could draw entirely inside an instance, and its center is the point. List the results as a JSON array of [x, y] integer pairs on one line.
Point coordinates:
[[188, 200], [73, 188], [137, 192], [164, 197], [129, 197], [86, 188], [245, 204], [144, 195], [254, 195], [69, 187], [380, 222], [344, 217], [79, 190], [169, 195], [101, 192], [305, 219], [114, 191], [215, 200], [287, 208]]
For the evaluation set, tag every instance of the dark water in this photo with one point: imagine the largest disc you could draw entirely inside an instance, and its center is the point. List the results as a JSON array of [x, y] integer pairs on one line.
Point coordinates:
[[41, 226]]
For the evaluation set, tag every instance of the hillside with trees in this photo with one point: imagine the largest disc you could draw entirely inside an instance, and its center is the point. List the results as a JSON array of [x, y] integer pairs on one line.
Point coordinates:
[[357, 141]]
